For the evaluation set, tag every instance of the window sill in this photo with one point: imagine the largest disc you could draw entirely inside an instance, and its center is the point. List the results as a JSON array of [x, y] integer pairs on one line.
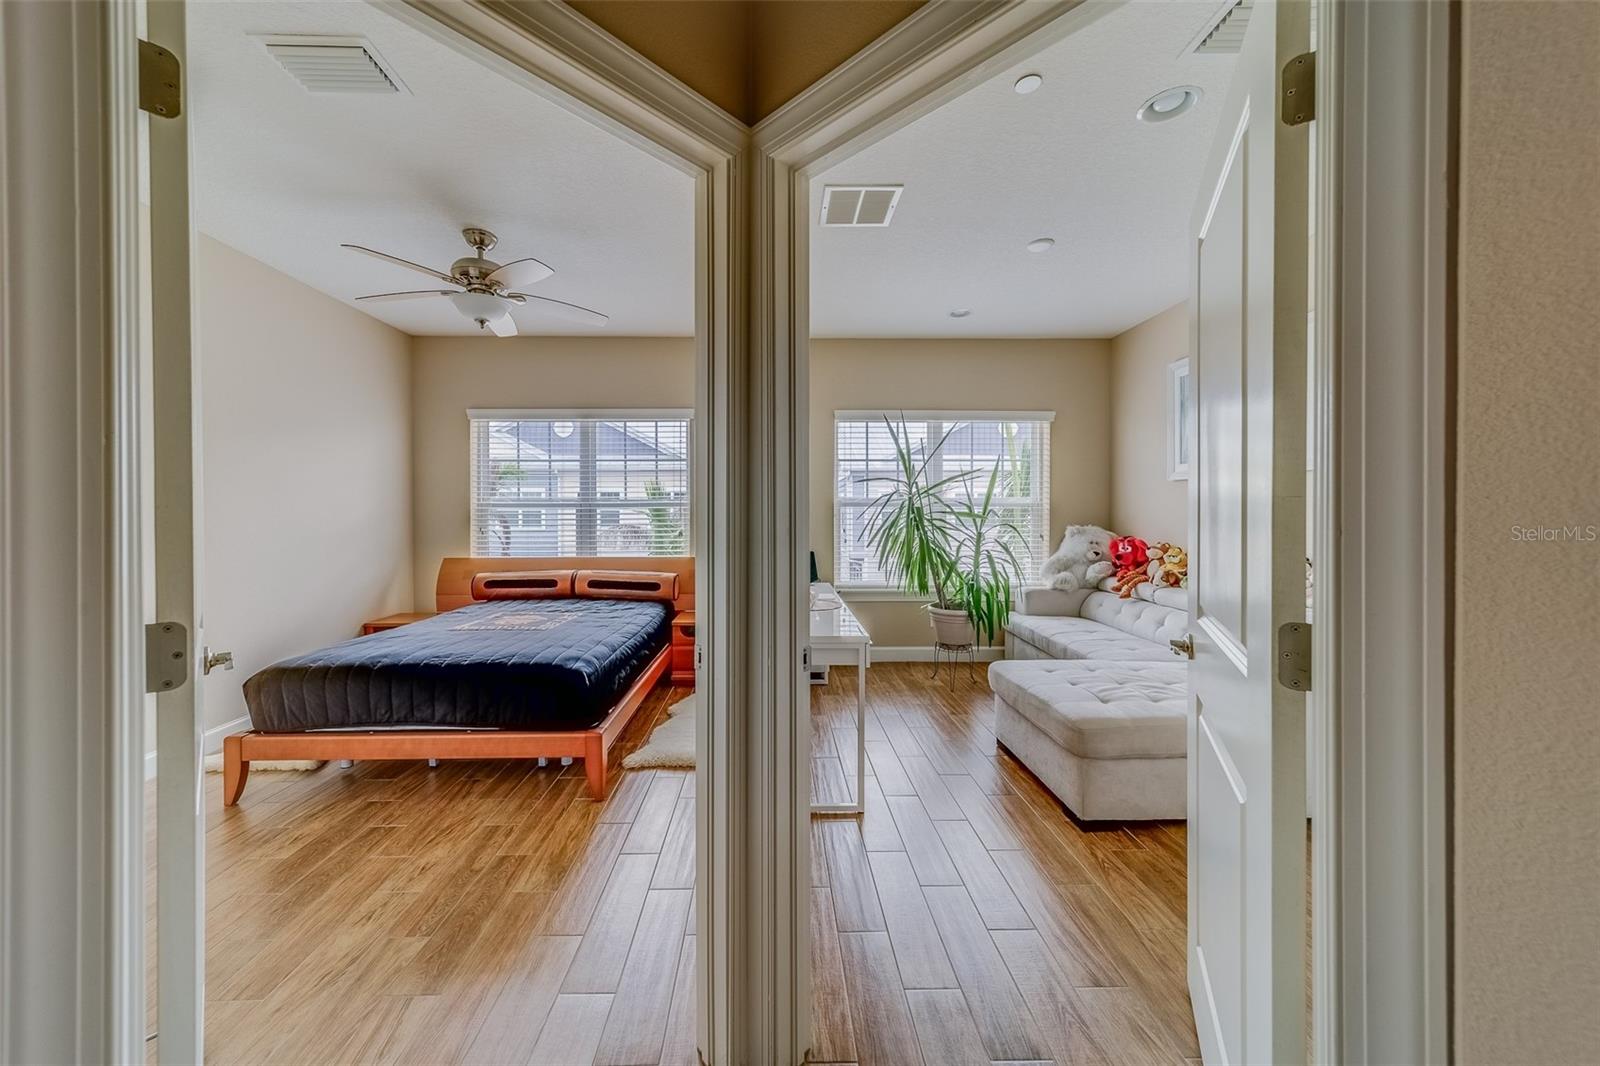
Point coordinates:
[[878, 594]]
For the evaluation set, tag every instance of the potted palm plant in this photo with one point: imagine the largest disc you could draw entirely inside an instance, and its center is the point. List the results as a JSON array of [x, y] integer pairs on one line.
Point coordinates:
[[962, 554]]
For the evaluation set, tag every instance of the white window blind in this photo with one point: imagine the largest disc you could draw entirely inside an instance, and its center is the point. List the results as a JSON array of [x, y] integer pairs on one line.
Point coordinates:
[[864, 450], [553, 483]]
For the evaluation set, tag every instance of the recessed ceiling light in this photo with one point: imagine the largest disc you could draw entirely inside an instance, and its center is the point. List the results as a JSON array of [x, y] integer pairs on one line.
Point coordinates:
[[961, 312], [1028, 83], [1041, 244], [1169, 103]]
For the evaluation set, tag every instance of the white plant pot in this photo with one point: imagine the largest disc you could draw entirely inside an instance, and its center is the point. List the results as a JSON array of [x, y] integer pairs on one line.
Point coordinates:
[[951, 627]]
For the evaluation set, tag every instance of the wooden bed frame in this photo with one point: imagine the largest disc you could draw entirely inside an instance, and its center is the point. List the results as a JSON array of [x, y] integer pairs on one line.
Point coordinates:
[[454, 589]]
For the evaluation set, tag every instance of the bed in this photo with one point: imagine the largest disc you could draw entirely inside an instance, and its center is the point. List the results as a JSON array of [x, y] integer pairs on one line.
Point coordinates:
[[527, 658]]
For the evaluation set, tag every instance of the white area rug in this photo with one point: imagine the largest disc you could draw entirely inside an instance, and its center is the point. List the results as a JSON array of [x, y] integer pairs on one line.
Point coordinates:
[[214, 764], [671, 746]]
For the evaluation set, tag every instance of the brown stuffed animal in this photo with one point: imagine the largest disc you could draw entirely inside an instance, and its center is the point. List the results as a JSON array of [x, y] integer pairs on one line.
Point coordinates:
[[1169, 566]]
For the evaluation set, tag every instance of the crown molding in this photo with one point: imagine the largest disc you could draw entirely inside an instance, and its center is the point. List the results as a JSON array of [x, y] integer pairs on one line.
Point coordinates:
[[554, 51]]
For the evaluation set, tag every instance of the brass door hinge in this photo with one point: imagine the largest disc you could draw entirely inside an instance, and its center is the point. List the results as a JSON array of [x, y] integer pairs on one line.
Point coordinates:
[[1300, 89], [160, 81], [1294, 656], [166, 656]]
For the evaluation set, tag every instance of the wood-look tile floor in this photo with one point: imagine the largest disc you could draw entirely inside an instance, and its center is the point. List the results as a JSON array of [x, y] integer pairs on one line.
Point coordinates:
[[489, 912], [479, 912], [967, 919]]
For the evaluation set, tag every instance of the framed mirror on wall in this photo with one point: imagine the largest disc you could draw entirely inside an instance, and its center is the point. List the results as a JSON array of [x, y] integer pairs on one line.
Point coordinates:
[[1180, 415]]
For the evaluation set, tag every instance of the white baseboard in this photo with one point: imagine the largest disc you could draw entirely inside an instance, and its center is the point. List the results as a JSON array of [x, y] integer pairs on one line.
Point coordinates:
[[922, 653], [210, 746]]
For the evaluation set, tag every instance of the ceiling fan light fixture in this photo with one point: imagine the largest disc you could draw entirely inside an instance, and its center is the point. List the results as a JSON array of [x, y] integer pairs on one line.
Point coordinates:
[[479, 307], [478, 304]]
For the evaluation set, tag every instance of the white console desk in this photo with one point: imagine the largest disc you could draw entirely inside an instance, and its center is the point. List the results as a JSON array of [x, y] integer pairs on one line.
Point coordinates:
[[839, 639]]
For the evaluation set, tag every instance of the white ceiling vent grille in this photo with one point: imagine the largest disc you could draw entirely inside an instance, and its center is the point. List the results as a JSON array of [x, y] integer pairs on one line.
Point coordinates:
[[859, 205], [333, 64], [1227, 35]]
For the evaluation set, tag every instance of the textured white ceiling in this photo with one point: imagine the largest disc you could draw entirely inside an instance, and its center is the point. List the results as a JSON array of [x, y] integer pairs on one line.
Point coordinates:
[[992, 170], [286, 176]]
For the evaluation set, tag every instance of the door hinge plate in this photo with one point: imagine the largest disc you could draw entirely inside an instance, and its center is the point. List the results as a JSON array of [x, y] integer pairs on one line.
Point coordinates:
[[1294, 656], [160, 81], [1300, 89], [166, 656]]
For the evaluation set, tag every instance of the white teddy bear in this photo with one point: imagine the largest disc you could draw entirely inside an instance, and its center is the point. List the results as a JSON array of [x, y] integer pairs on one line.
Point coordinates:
[[1082, 561]]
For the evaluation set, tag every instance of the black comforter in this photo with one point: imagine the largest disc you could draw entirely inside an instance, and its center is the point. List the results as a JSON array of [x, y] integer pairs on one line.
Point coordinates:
[[508, 664]]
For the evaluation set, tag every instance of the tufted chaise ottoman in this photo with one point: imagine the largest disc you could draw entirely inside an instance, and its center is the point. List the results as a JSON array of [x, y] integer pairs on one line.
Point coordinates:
[[1107, 737]]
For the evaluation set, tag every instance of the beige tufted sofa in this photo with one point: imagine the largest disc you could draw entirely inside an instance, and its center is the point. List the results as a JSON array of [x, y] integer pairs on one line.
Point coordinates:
[[1093, 699]]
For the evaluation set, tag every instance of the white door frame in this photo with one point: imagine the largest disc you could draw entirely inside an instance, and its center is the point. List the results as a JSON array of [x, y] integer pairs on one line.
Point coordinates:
[[1382, 533], [71, 611], [71, 973]]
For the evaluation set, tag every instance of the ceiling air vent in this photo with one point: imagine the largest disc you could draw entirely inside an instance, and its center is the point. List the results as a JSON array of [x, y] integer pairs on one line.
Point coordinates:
[[1226, 35], [333, 64], [859, 205]]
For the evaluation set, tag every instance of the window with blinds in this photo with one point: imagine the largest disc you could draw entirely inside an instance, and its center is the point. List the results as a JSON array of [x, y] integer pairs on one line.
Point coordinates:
[[612, 483], [864, 451]]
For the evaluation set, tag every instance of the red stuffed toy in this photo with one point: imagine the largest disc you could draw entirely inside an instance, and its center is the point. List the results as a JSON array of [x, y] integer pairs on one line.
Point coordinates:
[[1129, 555]]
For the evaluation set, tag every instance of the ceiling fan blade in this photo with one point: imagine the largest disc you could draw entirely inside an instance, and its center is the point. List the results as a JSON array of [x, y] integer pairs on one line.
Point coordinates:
[[520, 274], [415, 294], [432, 273], [503, 326], [560, 307]]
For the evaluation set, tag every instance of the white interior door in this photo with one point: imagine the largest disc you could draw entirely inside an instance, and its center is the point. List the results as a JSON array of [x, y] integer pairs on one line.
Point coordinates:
[[180, 820], [1247, 527]]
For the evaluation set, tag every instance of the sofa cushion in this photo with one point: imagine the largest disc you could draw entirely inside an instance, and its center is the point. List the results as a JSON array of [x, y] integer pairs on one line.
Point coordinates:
[[1150, 593], [1100, 709], [1083, 638], [1151, 621]]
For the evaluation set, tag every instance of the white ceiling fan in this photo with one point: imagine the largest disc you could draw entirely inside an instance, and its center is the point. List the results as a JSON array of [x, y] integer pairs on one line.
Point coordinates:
[[486, 291]]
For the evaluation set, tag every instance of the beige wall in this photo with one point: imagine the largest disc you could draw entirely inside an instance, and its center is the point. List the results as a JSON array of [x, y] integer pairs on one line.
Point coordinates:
[[452, 374], [305, 462], [1143, 502], [1526, 728], [1070, 377]]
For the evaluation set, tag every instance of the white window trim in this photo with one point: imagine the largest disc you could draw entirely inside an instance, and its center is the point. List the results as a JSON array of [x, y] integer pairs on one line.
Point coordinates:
[[894, 414], [604, 414]]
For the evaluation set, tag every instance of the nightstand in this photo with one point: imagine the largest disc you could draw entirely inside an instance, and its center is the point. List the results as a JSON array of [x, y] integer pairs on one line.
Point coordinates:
[[683, 648], [393, 621]]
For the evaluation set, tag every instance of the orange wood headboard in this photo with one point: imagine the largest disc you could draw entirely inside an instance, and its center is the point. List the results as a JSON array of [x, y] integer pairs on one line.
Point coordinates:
[[454, 588]]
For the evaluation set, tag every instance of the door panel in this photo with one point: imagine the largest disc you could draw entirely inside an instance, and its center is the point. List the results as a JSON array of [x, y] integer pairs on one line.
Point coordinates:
[[180, 821], [1247, 531]]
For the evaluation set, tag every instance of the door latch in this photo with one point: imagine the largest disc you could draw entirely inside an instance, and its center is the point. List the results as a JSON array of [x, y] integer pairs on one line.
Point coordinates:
[[217, 660], [166, 656], [1294, 656]]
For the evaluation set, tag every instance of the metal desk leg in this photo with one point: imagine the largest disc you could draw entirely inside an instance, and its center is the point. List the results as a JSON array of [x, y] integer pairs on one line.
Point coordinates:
[[859, 806], [861, 730]]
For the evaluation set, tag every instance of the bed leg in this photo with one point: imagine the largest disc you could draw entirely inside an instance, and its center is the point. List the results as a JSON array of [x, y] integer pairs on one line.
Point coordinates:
[[594, 766], [234, 769]]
